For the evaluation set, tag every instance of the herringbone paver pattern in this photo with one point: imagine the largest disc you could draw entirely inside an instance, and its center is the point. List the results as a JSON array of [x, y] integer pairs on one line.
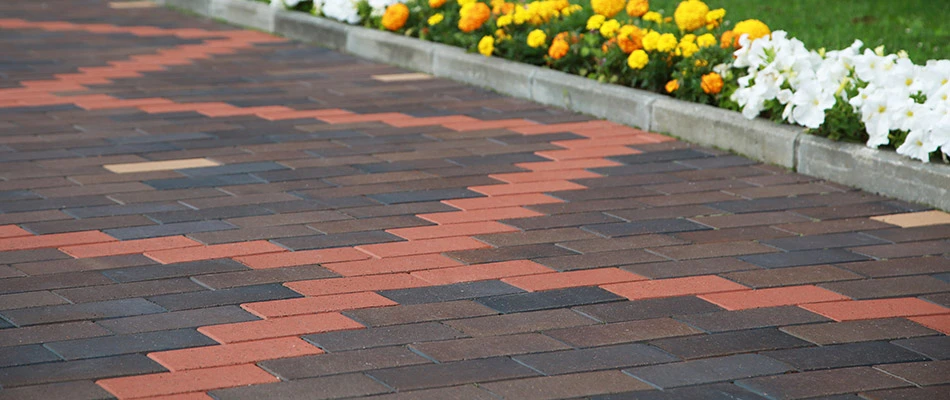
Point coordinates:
[[192, 210]]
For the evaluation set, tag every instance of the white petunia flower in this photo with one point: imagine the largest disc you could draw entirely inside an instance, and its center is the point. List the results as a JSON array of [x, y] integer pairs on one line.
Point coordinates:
[[341, 10], [919, 144], [810, 103]]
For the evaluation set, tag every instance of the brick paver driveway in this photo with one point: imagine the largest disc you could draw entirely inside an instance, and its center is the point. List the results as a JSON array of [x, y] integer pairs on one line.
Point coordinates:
[[190, 209]]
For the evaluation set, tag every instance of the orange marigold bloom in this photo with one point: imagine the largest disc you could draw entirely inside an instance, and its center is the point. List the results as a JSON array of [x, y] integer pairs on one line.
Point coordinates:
[[728, 39], [473, 16], [711, 83], [672, 86], [636, 8], [630, 38], [436, 3], [395, 16], [558, 49]]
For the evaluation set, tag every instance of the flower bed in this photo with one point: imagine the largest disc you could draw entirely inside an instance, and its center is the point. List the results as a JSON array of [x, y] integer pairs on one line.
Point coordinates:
[[695, 55]]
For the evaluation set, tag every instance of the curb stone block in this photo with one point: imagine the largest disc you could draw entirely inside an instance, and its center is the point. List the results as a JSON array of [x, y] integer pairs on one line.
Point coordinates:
[[321, 31], [711, 126], [875, 171], [202, 7], [246, 13], [616, 103], [504, 76], [388, 48]]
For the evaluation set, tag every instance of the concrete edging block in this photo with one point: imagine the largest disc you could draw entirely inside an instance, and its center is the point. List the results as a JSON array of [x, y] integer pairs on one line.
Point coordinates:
[[307, 28], [388, 48], [202, 7], [710, 126], [616, 103], [875, 171], [245, 13], [501, 75]]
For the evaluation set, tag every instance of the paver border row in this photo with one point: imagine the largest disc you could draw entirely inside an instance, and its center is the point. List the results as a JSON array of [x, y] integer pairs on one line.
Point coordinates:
[[877, 171]]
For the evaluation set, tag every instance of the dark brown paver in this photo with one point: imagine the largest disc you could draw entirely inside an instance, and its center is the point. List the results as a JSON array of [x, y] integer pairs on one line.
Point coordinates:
[[310, 152]]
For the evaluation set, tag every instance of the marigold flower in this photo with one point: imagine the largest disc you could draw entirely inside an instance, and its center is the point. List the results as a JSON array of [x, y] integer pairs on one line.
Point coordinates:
[[435, 19], [486, 46], [686, 49], [666, 43], [636, 8], [466, 2], [595, 21], [609, 28], [558, 48], [653, 16], [711, 83], [672, 86], [537, 38], [650, 40], [706, 40], [473, 15], [753, 27], [500, 34], [728, 39], [573, 8], [630, 38], [638, 59], [504, 21], [436, 3], [714, 18], [395, 16], [690, 15], [607, 8]]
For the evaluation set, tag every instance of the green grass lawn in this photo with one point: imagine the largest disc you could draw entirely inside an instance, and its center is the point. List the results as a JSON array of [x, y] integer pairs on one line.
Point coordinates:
[[921, 27]]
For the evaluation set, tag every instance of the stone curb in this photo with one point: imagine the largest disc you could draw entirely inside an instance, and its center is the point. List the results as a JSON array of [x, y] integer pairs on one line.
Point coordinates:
[[850, 164]]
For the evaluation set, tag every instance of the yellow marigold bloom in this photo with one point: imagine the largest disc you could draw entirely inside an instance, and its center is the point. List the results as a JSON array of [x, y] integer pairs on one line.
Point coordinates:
[[504, 21], [701, 63], [638, 59], [558, 49], [706, 40], [466, 2], [672, 86], [609, 28], [666, 43], [607, 8], [473, 15], [650, 40], [714, 18], [688, 38], [537, 38], [486, 46], [653, 16], [711, 83], [436, 3], [686, 49], [496, 5], [435, 19], [595, 21], [573, 8], [636, 8], [630, 38], [502, 35], [690, 15], [395, 16], [521, 15], [753, 27]]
